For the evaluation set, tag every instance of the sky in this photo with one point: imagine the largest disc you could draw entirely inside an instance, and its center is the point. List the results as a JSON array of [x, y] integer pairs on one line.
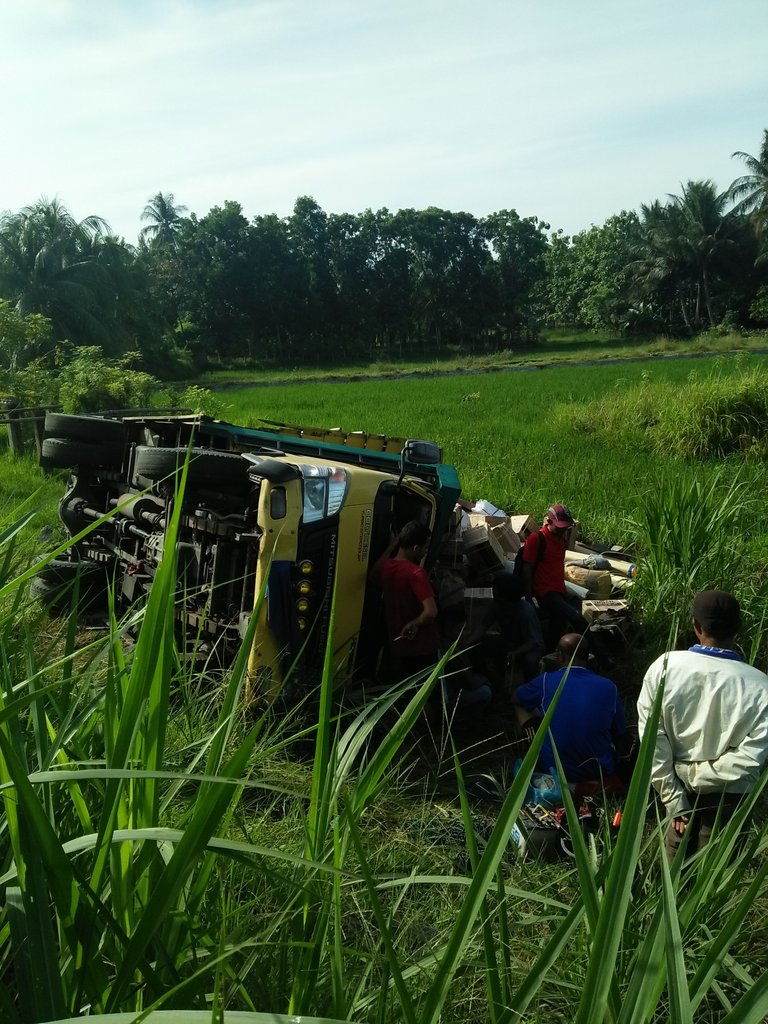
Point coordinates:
[[567, 110]]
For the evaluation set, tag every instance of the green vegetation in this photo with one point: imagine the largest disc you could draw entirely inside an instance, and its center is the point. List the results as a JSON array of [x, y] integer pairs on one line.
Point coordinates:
[[711, 416], [555, 348], [614, 442], [218, 292], [164, 845]]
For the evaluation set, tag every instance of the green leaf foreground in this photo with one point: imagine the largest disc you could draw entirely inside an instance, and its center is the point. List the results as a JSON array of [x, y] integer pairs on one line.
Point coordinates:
[[135, 887], [199, 1017]]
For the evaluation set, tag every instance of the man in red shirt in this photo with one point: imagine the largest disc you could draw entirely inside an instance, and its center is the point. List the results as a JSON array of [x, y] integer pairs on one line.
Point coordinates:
[[544, 571], [410, 607]]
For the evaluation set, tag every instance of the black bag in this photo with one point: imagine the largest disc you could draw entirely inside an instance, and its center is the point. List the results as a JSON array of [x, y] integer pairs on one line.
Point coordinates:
[[510, 586]]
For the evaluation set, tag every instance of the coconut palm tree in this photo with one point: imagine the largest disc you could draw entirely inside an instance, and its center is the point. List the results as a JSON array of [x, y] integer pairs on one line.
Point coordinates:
[[750, 191], [708, 238], [48, 266], [685, 246], [165, 216]]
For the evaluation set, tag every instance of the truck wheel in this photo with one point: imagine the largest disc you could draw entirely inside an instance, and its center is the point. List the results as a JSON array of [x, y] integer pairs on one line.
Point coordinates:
[[95, 429], [54, 585], [62, 571], [63, 453], [57, 594], [205, 465], [51, 595]]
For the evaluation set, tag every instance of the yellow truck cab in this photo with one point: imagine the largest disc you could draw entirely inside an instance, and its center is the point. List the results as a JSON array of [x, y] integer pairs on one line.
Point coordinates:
[[282, 510]]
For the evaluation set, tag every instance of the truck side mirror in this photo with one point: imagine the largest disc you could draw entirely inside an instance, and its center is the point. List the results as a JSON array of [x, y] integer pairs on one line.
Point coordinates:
[[270, 469], [422, 453]]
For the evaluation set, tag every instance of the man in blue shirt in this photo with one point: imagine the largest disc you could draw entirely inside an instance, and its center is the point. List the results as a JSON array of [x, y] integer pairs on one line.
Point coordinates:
[[588, 721]]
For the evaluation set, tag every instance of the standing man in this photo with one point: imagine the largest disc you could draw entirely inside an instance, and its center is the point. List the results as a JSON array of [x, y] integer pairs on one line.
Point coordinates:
[[712, 738], [544, 570], [588, 723], [410, 608]]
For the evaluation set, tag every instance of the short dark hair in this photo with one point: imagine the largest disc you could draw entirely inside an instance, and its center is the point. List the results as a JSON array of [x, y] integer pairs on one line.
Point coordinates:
[[413, 534], [718, 613], [573, 647]]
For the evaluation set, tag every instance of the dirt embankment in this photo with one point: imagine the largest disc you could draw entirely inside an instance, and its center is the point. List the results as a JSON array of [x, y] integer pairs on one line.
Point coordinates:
[[232, 385]]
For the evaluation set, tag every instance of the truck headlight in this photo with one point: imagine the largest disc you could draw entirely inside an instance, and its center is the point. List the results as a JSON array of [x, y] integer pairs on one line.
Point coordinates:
[[325, 488]]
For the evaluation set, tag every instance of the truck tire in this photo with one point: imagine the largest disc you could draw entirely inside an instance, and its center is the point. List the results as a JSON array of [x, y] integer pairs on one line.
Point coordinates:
[[205, 465], [54, 586], [63, 453], [51, 595], [95, 429], [62, 571]]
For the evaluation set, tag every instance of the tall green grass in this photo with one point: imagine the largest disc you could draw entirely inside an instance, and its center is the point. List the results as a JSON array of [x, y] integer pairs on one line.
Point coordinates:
[[693, 535], [524, 439], [162, 847], [618, 444], [711, 416], [142, 873]]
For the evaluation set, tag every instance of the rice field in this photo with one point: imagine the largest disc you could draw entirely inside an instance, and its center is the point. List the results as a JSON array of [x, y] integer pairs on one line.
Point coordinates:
[[509, 434]]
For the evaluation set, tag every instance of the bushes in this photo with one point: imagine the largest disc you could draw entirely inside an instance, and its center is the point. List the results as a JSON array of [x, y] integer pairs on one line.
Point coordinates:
[[85, 382], [713, 416]]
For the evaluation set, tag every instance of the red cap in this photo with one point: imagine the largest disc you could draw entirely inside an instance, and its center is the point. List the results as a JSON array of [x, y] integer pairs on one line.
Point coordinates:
[[560, 516]]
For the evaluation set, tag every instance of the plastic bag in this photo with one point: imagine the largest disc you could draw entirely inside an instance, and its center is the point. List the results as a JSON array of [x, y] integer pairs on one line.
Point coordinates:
[[544, 790]]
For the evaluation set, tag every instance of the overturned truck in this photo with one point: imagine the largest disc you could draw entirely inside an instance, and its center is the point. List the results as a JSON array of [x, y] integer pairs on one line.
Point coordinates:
[[280, 510]]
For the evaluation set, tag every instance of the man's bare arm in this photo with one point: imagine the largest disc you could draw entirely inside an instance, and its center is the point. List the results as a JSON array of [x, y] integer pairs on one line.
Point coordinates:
[[427, 614]]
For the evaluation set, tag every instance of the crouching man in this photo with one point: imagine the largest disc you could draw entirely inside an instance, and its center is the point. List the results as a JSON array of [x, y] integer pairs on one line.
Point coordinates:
[[712, 738], [588, 723]]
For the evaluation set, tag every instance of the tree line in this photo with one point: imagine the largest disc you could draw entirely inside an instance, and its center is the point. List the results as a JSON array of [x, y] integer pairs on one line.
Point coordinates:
[[316, 287]]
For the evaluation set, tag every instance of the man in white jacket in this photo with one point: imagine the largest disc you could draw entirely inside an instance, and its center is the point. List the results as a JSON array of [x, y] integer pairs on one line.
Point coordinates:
[[712, 739]]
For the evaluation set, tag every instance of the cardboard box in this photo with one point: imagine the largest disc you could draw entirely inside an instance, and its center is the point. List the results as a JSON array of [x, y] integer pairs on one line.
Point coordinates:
[[501, 528], [487, 508], [592, 610], [507, 537], [523, 526], [477, 601], [483, 550]]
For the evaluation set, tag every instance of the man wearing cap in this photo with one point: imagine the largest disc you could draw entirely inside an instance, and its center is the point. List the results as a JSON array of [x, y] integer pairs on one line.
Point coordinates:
[[712, 738], [544, 570]]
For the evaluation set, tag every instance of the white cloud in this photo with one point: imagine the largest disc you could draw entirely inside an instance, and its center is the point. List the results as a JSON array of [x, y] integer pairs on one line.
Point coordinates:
[[569, 111]]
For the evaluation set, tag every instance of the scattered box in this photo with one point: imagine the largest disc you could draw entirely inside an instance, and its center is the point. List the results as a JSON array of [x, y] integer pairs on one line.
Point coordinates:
[[501, 528], [592, 610], [485, 508], [507, 537], [523, 526], [477, 601], [483, 550]]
